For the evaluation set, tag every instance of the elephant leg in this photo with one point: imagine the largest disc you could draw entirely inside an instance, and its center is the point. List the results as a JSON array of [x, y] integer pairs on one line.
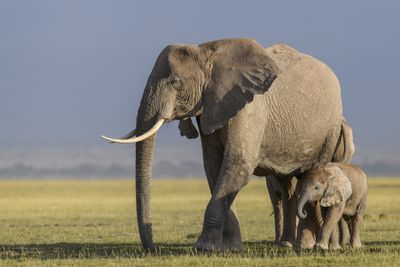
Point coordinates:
[[275, 190], [334, 239], [212, 158], [289, 206], [232, 178], [332, 219], [232, 238], [344, 233], [355, 224], [355, 239]]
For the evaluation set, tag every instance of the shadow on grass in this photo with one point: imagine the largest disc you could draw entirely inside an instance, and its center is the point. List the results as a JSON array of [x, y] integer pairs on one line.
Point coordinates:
[[89, 250], [382, 243], [255, 249]]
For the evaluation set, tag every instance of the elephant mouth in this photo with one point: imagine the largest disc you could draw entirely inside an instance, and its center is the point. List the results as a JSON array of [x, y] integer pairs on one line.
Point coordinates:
[[167, 120]]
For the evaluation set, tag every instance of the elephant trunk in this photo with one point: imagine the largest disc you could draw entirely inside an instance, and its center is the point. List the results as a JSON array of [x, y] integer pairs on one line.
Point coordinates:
[[144, 163], [318, 213], [303, 200]]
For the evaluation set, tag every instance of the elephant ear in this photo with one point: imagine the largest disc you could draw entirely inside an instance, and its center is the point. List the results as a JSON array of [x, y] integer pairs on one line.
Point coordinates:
[[240, 68], [187, 128], [338, 190]]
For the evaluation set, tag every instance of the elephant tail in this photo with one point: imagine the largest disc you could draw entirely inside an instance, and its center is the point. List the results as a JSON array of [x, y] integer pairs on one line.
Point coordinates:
[[348, 141], [345, 148]]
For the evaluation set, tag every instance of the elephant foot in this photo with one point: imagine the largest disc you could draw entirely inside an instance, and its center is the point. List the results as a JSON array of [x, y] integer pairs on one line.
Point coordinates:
[[233, 245], [356, 244], [322, 246], [232, 241], [343, 244], [285, 244], [304, 245], [335, 246], [208, 246]]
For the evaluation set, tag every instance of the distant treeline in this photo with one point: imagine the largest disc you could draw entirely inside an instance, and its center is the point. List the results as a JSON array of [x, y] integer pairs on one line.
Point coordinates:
[[163, 169]]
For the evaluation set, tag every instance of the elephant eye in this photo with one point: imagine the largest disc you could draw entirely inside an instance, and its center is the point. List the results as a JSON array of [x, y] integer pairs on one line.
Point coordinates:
[[176, 82], [316, 188]]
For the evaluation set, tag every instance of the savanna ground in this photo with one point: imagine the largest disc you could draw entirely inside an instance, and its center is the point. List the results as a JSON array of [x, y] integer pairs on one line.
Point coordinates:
[[93, 223]]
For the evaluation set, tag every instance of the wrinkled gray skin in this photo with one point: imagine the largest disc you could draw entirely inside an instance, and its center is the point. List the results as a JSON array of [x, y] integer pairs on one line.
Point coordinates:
[[281, 192], [263, 111], [342, 189]]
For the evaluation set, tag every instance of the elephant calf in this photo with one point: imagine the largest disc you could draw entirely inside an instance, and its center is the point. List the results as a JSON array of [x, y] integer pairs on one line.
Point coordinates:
[[342, 189]]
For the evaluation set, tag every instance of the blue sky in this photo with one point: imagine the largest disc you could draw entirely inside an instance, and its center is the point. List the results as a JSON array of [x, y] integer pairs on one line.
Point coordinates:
[[72, 70]]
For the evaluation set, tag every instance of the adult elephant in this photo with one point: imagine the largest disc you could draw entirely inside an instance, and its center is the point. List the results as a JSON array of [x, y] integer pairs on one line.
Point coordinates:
[[263, 112]]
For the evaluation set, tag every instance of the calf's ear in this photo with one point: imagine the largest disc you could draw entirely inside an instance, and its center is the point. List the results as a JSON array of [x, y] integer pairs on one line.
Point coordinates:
[[338, 190]]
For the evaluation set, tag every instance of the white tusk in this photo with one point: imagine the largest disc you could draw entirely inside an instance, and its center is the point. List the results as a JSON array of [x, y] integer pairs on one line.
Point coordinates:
[[132, 140], [127, 136]]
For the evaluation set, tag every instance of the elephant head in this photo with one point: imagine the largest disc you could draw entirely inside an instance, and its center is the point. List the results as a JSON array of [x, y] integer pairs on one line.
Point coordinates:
[[213, 81], [328, 184]]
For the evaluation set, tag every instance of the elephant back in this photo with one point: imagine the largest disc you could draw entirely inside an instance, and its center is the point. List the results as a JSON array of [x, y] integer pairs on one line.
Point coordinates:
[[283, 55]]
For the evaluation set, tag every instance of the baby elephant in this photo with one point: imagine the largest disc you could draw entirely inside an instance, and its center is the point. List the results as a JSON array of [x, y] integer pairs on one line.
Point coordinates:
[[342, 189]]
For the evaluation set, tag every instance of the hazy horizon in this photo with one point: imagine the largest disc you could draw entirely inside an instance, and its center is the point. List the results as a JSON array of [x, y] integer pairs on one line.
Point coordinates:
[[73, 70]]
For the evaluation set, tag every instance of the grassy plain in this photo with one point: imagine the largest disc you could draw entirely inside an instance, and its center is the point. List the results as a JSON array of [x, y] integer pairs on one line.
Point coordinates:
[[93, 223]]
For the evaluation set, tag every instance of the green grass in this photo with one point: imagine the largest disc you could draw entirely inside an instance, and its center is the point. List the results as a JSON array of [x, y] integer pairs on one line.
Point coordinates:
[[93, 223]]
